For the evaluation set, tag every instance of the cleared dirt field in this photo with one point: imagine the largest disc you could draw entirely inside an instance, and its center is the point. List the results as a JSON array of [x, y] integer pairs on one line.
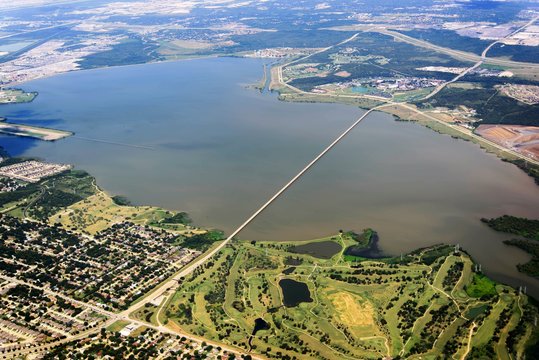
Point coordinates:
[[351, 311], [523, 139], [343, 74], [355, 313]]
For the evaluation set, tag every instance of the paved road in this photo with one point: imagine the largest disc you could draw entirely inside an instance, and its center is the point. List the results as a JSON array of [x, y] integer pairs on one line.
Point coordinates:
[[60, 295], [40, 348], [39, 196], [322, 50], [455, 79], [172, 283], [40, 29], [112, 317], [458, 54]]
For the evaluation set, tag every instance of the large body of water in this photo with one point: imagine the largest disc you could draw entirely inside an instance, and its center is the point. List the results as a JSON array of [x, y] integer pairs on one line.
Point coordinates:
[[220, 150]]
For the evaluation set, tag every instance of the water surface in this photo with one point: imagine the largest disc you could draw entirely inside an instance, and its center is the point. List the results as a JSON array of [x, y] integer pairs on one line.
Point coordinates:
[[219, 150], [294, 292], [318, 249]]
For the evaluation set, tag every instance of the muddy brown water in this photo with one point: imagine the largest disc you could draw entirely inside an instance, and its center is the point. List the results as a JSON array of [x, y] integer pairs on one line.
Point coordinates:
[[220, 150]]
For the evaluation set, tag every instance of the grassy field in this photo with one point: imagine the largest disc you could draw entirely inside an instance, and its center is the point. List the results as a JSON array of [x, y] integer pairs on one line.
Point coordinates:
[[73, 200], [316, 98], [476, 92], [405, 114], [414, 307], [117, 325], [98, 211], [16, 96], [183, 49]]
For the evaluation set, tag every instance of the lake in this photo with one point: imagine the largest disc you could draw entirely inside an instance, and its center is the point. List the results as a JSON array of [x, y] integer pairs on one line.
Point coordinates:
[[205, 144]]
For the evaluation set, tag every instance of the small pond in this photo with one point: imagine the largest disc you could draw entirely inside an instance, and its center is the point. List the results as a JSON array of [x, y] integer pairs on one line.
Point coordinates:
[[294, 292], [289, 270], [260, 324], [476, 311], [320, 249], [293, 261]]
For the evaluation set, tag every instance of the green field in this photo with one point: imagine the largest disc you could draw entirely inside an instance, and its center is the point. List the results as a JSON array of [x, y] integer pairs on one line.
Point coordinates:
[[42, 199], [16, 96], [481, 286]]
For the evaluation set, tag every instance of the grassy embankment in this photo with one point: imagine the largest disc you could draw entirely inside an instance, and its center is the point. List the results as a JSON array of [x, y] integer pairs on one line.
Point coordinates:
[[35, 132], [476, 92], [427, 117], [74, 201], [98, 211], [41, 200]]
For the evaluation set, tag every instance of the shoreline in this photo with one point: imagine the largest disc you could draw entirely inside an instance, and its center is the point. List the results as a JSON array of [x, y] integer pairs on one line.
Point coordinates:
[[34, 132], [113, 67], [387, 110], [338, 99], [409, 113]]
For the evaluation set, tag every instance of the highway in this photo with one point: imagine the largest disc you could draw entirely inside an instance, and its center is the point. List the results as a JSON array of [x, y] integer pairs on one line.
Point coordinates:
[[469, 133], [322, 50], [112, 317], [458, 54], [481, 60], [172, 283], [69, 23]]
